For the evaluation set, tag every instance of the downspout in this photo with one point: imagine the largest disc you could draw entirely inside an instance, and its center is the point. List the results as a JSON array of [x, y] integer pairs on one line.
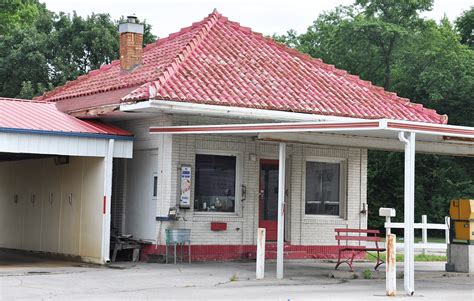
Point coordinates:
[[106, 205], [409, 214]]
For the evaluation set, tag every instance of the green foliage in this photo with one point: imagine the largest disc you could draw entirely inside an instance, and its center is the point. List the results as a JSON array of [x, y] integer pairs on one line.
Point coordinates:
[[18, 14], [418, 257], [367, 274], [465, 26], [387, 43], [234, 277], [41, 50]]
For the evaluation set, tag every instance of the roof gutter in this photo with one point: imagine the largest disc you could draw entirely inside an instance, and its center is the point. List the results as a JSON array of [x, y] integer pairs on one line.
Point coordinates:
[[176, 107], [69, 134]]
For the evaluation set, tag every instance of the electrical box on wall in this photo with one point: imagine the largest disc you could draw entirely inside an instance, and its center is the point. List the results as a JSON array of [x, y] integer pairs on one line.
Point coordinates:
[[185, 187]]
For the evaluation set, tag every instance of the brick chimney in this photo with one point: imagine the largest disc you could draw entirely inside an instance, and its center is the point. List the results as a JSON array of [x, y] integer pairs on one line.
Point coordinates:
[[131, 41]]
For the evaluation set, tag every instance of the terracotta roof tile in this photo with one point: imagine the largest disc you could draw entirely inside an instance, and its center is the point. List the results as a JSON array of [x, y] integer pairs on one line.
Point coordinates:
[[219, 62]]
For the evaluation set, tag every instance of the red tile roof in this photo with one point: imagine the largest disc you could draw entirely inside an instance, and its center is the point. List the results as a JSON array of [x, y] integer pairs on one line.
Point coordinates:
[[219, 62], [32, 116]]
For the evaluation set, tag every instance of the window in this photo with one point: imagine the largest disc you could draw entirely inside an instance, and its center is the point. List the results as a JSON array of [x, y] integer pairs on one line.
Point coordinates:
[[323, 188], [155, 186], [214, 190]]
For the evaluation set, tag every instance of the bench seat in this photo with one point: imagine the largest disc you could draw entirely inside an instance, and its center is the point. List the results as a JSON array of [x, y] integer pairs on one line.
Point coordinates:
[[348, 235]]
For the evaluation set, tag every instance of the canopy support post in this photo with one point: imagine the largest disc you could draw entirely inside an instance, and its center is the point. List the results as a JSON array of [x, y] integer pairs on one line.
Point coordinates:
[[281, 209], [106, 205], [409, 214]]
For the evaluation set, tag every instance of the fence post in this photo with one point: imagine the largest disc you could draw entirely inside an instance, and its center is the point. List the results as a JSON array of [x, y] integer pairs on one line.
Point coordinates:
[[447, 220], [260, 269], [424, 232], [391, 266], [388, 231]]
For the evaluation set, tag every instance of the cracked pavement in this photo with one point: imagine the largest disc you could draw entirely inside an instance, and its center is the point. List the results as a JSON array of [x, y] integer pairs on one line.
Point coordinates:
[[304, 280]]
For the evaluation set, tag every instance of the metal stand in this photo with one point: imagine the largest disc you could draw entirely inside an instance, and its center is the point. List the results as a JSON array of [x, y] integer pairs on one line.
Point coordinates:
[[175, 245]]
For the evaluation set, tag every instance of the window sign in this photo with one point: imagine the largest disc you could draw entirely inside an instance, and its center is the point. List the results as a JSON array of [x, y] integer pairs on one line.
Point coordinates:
[[185, 199]]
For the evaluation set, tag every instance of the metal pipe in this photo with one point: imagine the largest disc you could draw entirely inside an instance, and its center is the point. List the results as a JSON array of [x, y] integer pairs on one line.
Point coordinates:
[[391, 266], [281, 206], [409, 202]]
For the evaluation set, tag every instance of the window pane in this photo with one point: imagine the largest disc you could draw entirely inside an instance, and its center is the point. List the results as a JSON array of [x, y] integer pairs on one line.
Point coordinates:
[[215, 183], [322, 188], [155, 186]]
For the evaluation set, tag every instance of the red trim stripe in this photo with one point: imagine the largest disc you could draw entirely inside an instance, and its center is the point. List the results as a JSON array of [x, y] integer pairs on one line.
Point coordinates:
[[429, 128], [104, 207], [257, 127]]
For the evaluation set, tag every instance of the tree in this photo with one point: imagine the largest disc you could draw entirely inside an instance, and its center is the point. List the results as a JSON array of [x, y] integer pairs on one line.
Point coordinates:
[[387, 43], [49, 49], [18, 13], [465, 26]]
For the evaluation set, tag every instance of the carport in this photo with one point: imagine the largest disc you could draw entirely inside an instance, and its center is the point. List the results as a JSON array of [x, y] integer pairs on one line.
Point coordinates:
[[383, 134], [56, 180]]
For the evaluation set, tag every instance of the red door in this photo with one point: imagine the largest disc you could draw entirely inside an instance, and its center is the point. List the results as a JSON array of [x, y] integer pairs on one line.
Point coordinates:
[[268, 204]]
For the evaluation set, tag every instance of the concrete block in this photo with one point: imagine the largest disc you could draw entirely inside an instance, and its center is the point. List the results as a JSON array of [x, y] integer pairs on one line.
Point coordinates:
[[460, 258]]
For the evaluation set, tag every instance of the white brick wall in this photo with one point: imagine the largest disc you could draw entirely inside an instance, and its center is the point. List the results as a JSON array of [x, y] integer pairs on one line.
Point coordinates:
[[241, 229]]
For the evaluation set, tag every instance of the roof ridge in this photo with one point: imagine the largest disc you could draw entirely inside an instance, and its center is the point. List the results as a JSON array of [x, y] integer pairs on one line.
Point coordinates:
[[106, 67], [173, 67], [23, 100]]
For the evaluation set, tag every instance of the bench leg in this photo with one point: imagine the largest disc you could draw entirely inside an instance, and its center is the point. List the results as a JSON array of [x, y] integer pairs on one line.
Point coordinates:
[[351, 261], [379, 261], [338, 259]]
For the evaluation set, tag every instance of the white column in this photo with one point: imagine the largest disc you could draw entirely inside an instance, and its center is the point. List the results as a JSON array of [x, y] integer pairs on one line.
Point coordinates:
[[281, 206], [409, 215], [106, 206], [260, 269]]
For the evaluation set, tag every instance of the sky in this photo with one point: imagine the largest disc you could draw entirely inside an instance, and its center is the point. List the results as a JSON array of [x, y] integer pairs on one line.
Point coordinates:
[[265, 16]]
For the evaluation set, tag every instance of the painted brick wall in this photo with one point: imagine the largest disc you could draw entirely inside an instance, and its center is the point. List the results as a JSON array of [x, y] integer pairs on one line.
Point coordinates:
[[241, 229]]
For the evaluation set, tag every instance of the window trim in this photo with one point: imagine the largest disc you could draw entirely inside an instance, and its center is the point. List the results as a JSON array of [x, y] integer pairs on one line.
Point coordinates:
[[238, 182], [343, 187]]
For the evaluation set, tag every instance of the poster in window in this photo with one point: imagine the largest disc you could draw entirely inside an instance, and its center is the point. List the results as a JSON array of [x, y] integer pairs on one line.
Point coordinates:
[[185, 198]]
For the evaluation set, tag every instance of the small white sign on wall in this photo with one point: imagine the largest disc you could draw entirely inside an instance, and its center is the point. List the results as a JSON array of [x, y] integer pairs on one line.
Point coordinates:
[[185, 199]]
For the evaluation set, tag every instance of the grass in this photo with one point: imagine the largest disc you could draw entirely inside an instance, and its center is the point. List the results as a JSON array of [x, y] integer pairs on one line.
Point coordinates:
[[234, 277], [367, 274], [400, 257], [440, 240]]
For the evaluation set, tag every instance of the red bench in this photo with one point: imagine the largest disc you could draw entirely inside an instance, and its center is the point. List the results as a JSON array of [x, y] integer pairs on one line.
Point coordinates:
[[357, 235]]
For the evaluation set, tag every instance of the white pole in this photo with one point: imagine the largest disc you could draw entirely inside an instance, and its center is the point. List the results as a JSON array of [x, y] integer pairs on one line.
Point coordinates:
[[281, 213], [391, 266], [260, 253], [106, 206], [388, 230], [409, 200], [447, 220], [424, 232]]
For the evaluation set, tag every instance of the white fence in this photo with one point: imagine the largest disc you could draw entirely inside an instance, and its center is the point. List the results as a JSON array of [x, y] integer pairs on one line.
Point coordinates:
[[425, 226]]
